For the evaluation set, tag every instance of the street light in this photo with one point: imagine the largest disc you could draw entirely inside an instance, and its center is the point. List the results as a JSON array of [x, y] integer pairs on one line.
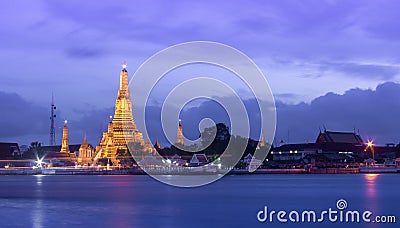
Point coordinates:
[[39, 162], [371, 146]]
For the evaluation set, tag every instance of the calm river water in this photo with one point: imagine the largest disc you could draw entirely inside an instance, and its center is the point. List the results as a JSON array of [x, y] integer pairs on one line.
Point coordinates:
[[233, 201]]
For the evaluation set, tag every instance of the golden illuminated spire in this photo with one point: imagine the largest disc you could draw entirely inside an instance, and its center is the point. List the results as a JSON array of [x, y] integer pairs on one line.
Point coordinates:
[[148, 147], [179, 138], [121, 128], [157, 145], [123, 81], [110, 129], [147, 141], [124, 127], [85, 140], [262, 142], [64, 143], [85, 152]]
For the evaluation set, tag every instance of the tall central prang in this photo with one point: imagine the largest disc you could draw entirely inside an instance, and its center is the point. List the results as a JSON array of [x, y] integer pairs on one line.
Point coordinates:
[[121, 128], [124, 127]]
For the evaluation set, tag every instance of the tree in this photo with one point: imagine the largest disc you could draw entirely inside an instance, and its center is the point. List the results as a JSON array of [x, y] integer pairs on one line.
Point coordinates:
[[35, 151], [216, 137], [135, 152], [213, 135]]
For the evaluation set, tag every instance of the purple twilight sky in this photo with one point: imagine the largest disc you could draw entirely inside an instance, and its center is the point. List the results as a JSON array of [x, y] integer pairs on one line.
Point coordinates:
[[329, 63]]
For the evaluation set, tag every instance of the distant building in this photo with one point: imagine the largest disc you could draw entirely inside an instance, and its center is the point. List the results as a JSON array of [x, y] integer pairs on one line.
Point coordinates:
[[198, 160], [66, 154], [350, 138], [326, 142], [85, 153], [397, 161], [288, 152], [148, 148], [9, 150], [177, 160], [330, 147], [251, 162], [54, 157], [157, 145], [261, 143], [73, 148]]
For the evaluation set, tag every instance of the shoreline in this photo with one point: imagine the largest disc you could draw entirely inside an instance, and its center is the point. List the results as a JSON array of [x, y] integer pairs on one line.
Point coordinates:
[[85, 171]]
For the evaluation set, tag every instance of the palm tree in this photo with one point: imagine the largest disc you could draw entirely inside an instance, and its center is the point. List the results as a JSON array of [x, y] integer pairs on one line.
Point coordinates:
[[35, 151]]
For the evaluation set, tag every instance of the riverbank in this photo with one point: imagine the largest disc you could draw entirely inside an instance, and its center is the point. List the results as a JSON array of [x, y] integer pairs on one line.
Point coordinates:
[[116, 171]]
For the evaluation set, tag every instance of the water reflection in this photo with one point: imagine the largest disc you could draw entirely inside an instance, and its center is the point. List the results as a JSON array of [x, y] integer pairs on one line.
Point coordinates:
[[37, 210], [371, 201], [39, 178], [139, 201], [37, 214], [370, 179]]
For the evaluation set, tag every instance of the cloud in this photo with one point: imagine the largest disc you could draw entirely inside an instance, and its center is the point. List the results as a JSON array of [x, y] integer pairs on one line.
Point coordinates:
[[24, 122], [192, 116], [308, 48], [84, 52], [92, 124], [76, 36], [19, 117], [283, 28], [373, 112], [362, 70], [377, 20]]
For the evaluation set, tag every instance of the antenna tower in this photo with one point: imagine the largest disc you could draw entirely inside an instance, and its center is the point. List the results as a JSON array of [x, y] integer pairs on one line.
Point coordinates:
[[52, 141]]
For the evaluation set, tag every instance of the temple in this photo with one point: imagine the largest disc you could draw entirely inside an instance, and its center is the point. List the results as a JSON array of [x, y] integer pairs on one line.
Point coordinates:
[[179, 137], [61, 155], [261, 143], [121, 128], [157, 145], [148, 148], [64, 143], [120, 132], [85, 153]]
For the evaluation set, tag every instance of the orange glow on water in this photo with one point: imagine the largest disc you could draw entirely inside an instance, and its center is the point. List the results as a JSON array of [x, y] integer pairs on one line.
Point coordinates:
[[371, 177], [371, 184]]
